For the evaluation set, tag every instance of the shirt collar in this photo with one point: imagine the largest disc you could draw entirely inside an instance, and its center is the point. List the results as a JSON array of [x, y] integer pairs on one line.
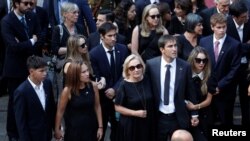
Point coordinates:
[[221, 40], [106, 49], [238, 26], [200, 75], [18, 16], [164, 63], [34, 85]]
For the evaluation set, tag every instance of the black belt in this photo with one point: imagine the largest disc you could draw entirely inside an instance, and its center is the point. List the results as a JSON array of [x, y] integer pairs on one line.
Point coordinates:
[[167, 115]]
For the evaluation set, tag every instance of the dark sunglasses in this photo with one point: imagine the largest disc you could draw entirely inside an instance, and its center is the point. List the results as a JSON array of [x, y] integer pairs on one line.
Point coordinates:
[[155, 16], [199, 60], [83, 45], [132, 68], [26, 3]]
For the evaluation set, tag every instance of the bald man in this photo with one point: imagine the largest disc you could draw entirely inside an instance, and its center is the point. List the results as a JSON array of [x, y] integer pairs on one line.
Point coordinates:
[[181, 135]]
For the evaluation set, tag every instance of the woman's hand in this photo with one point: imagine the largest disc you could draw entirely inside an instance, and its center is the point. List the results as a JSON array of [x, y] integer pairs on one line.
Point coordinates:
[[140, 113], [99, 133], [58, 135], [191, 106]]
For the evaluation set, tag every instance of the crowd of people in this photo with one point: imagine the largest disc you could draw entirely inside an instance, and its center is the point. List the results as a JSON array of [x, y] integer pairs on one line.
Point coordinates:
[[147, 69]]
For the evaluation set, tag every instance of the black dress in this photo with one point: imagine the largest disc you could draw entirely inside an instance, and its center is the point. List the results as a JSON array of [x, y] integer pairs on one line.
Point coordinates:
[[136, 96], [185, 47], [148, 46], [80, 117]]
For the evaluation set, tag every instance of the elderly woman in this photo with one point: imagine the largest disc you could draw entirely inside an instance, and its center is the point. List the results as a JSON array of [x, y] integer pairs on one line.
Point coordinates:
[[134, 102], [145, 36], [61, 33], [191, 37]]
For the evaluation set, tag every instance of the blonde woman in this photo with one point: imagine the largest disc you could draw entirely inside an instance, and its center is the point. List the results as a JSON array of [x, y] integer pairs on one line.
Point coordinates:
[[145, 36], [134, 102]]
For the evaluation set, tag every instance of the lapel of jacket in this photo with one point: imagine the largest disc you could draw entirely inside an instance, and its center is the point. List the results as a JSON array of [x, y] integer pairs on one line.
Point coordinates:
[[104, 58], [224, 48], [17, 25], [210, 49], [117, 57], [178, 73], [33, 95], [246, 31], [47, 93], [157, 68]]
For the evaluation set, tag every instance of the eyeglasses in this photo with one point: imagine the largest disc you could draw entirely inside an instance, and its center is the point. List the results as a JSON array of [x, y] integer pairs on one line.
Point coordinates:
[[132, 68], [155, 16], [75, 12], [26, 3], [83, 45], [199, 60]]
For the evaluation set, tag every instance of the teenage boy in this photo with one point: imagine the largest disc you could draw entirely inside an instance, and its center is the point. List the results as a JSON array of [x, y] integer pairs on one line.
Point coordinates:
[[34, 104], [224, 52]]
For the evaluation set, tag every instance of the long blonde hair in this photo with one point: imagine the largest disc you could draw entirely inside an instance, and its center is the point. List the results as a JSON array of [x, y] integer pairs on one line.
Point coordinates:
[[145, 29], [207, 67]]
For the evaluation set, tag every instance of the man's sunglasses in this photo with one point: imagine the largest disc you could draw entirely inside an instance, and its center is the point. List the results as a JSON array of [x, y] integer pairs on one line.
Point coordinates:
[[199, 60], [132, 68], [26, 3]]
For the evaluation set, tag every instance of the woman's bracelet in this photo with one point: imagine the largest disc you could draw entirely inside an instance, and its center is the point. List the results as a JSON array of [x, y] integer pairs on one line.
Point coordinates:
[[100, 127], [199, 106]]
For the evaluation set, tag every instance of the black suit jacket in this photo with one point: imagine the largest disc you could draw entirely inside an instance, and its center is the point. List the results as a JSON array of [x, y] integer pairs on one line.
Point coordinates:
[[206, 15], [232, 31], [101, 67], [184, 88], [227, 65], [94, 40], [18, 44], [33, 122]]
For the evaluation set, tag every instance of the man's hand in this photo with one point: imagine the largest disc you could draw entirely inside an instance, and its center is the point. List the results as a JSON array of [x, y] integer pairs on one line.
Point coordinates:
[[110, 93]]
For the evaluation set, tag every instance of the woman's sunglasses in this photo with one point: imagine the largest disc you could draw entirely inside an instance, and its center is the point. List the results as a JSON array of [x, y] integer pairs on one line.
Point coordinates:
[[155, 16], [83, 45], [132, 68], [199, 60]]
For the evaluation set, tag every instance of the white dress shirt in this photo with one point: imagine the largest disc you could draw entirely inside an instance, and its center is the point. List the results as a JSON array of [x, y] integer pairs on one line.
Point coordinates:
[[39, 91], [170, 108]]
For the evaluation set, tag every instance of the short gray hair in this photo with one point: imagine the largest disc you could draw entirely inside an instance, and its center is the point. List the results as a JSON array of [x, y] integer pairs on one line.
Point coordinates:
[[68, 7]]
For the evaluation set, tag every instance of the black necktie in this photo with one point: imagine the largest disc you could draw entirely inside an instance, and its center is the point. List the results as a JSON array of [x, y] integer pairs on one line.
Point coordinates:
[[25, 25], [112, 64], [166, 85]]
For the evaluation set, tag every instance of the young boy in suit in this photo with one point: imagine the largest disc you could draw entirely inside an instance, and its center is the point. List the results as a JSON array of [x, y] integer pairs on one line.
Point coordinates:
[[34, 104]]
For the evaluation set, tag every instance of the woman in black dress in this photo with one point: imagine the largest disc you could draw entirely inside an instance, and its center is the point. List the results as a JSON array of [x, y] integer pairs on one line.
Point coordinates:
[[200, 64], [191, 37], [134, 102], [79, 103], [146, 35]]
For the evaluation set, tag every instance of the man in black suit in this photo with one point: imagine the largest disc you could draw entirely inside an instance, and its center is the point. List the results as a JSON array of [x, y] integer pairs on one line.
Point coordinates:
[[4, 8], [101, 61], [221, 6], [34, 103], [20, 32], [103, 16], [238, 24], [224, 52], [172, 113]]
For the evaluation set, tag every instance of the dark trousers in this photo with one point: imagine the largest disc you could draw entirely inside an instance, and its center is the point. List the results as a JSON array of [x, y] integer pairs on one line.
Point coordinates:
[[167, 124], [108, 115], [243, 97], [12, 132]]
